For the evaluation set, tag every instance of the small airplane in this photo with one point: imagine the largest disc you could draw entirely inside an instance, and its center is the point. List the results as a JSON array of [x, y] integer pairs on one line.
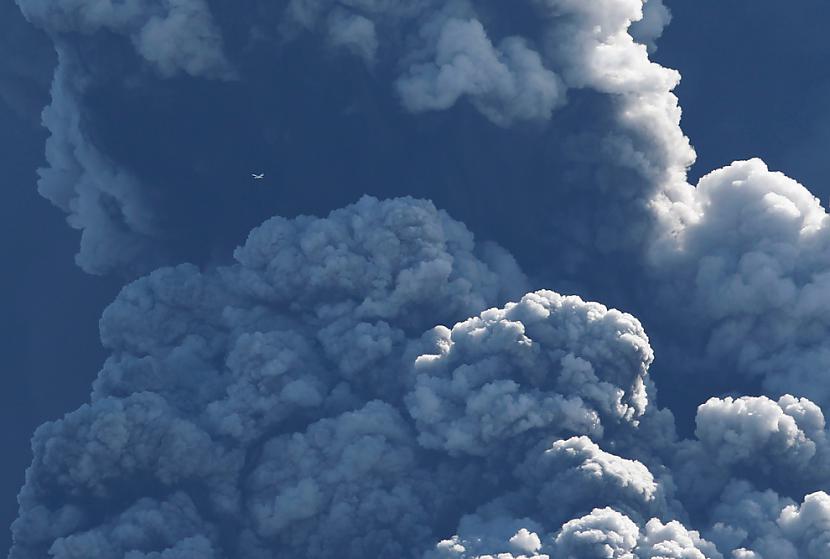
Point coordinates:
[[259, 176]]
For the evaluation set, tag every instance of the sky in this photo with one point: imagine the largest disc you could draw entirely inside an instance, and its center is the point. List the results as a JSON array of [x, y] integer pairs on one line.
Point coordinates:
[[244, 403], [735, 82], [50, 307]]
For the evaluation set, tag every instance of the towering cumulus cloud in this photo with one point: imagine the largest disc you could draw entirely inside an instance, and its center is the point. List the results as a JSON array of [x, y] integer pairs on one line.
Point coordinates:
[[171, 35], [102, 199], [384, 381]]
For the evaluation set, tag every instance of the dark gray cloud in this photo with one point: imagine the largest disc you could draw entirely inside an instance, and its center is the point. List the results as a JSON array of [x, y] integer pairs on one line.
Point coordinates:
[[602, 532], [505, 83], [215, 378], [379, 382], [173, 36], [126, 162], [298, 402], [451, 55], [173, 526], [100, 193], [283, 402]]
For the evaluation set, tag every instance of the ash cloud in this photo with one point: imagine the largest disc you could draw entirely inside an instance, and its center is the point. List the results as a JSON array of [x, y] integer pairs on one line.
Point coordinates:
[[298, 402], [456, 101], [749, 259], [228, 395], [379, 382], [172, 36]]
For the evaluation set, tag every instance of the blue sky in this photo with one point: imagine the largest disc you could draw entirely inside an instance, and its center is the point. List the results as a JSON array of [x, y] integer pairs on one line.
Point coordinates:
[[753, 85]]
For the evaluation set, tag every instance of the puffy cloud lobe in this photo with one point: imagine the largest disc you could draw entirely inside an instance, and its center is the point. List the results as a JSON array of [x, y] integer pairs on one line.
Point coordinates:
[[276, 375], [312, 303], [505, 84], [758, 433], [224, 393], [451, 56], [175, 36], [170, 529], [575, 475], [314, 318], [222, 382], [807, 525], [673, 541], [547, 364], [603, 533], [607, 533], [746, 518], [782, 445], [119, 438], [491, 538], [594, 38], [588, 45], [121, 231], [355, 33], [378, 260], [426, 55], [119, 228], [316, 493], [779, 444], [656, 16], [87, 455], [762, 524], [212, 372], [595, 49], [751, 257]]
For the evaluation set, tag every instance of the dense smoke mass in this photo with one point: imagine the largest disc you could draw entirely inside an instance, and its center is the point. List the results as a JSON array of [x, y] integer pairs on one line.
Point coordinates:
[[458, 102], [389, 363], [299, 402]]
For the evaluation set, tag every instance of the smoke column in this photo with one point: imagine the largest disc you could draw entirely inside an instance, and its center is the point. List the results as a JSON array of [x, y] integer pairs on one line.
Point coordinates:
[[403, 376]]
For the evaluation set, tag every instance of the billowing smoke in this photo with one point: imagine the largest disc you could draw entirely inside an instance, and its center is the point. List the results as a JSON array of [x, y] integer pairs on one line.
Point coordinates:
[[385, 381], [298, 402], [461, 102], [747, 272]]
